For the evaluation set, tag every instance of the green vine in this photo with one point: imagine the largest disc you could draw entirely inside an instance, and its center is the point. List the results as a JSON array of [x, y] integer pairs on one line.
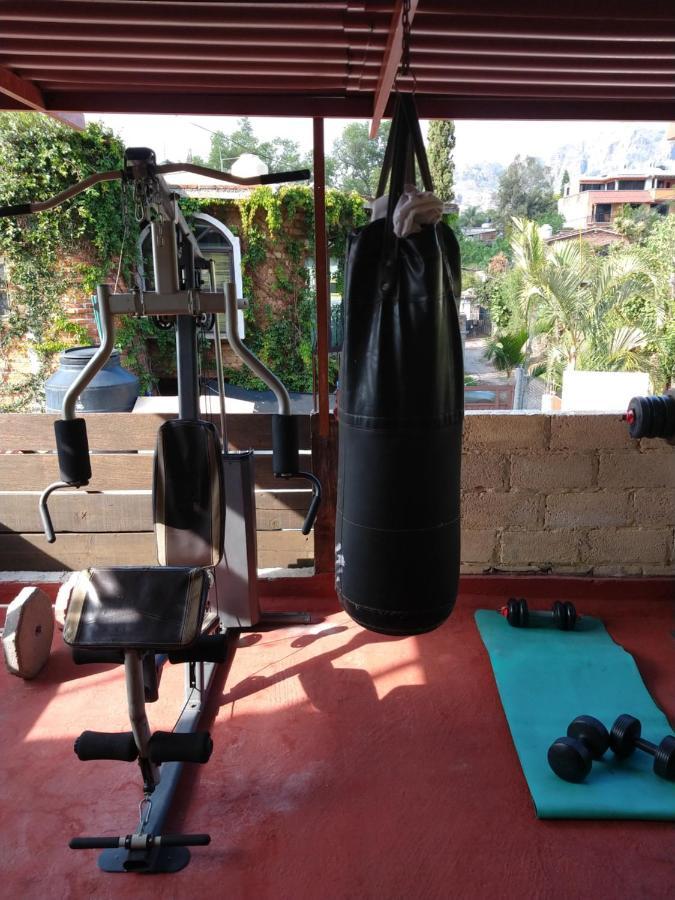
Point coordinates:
[[56, 254], [276, 231], [56, 258]]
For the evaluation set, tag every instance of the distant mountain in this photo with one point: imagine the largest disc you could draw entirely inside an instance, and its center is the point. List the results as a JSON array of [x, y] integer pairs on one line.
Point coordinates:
[[475, 184], [615, 149]]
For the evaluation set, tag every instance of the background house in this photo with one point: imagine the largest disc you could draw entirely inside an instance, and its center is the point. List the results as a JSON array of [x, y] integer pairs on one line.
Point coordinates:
[[600, 200]]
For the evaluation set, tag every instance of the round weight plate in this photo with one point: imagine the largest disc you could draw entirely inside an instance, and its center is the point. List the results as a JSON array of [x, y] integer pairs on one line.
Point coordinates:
[[660, 414], [570, 616], [512, 612], [592, 733], [569, 759], [670, 416], [524, 612], [625, 730], [642, 418], [29, 627], [559, 615], [664, 759]]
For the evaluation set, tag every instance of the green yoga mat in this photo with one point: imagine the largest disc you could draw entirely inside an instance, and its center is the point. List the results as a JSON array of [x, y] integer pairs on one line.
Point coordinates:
[[545, 678]]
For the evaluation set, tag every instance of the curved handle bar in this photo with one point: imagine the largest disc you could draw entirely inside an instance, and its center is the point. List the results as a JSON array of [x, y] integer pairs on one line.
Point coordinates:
[[47, 525], [308, 524], [20, 209], [248, 357], [251, 180]]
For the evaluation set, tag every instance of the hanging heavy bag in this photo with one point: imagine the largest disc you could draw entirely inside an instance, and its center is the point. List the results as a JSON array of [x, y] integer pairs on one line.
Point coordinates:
[[400, 412]]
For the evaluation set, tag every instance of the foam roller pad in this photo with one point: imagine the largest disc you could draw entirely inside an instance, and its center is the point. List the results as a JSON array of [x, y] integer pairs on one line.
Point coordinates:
[[166, 746], [101, 745], [73, 449]]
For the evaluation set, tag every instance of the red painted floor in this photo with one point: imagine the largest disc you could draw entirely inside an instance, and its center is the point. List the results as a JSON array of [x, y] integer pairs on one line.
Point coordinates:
[[347, 765]]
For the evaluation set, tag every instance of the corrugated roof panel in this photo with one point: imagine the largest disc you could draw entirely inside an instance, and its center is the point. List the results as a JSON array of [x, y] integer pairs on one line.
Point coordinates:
[[605, 60]]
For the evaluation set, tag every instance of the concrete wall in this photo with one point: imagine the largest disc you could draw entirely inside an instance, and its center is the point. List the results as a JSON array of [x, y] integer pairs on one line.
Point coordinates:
[[565, 493]]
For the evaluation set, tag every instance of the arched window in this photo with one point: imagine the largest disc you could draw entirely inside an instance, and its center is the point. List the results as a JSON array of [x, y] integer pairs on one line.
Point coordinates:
[[217, 243]]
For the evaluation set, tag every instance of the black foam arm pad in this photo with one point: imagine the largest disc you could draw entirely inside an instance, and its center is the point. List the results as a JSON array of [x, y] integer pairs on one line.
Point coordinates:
[[94, 843], [72, 447], [101, 745], [285, 454], [165, 746]]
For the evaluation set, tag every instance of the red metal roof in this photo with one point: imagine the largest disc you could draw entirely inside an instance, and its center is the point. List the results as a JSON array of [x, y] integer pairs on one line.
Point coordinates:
[[521, 59]]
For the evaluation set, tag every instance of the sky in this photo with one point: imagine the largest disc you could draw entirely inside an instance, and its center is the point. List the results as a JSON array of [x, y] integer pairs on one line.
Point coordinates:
[[171, 137]]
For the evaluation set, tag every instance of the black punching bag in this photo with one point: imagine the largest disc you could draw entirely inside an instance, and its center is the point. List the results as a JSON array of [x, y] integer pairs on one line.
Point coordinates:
[[401, 407]]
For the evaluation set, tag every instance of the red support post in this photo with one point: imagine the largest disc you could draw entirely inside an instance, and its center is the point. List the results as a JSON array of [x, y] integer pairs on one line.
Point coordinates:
[[321, 264]]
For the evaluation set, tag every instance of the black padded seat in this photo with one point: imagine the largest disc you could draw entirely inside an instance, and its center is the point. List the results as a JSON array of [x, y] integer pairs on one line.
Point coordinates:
[[136, 608]]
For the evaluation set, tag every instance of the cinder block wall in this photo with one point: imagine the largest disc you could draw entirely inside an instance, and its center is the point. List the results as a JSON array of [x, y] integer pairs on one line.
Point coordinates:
[[565, 493]]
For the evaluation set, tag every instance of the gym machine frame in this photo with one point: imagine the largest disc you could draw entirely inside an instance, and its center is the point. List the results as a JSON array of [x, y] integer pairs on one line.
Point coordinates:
[[175, 250]]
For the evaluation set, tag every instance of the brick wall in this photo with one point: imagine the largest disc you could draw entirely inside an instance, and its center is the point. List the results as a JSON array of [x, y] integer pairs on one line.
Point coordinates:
[[566, 493]]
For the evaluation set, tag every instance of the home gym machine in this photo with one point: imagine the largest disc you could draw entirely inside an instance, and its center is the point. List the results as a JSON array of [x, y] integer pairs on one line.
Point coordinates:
[[188, 609]]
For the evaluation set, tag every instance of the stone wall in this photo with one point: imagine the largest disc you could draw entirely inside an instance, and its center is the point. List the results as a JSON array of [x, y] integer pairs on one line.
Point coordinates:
[[565, 493]]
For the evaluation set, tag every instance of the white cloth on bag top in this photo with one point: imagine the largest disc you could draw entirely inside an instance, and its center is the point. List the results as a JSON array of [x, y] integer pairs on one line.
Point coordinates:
[[414, 209]]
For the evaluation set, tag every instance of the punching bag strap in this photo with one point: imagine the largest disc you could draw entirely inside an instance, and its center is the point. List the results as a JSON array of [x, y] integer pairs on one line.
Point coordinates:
[[418, 149], [404, 148]]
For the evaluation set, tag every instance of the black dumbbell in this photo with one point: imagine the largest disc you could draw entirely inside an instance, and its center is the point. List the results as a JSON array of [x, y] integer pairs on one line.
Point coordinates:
[[571, 757], [624, 739], [562, 615]]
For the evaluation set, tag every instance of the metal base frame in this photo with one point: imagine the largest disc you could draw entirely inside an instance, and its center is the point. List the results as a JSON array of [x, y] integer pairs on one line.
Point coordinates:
[[159, 860], [199, 678]]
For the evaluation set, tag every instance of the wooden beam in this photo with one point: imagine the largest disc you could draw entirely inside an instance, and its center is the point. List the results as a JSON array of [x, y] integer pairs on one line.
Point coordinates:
[[390, 62], [25, 92], [31, 552], [75, 120], [21, 89], [359, 106], [124, 432], [112, 472], [114, 512]]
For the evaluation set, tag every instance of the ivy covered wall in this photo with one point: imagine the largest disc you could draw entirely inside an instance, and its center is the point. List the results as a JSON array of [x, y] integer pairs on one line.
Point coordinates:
[[54, 260], [276, 231]]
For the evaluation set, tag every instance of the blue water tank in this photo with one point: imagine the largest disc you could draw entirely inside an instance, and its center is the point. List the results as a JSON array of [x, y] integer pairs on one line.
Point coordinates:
[[113, 389]]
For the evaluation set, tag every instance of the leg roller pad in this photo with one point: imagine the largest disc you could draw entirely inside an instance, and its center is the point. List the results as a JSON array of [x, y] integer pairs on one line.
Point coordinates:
[[165, 746], [100, 745]]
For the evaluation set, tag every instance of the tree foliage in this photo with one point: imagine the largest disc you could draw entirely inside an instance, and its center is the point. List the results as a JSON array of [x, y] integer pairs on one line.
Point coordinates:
[[440, 149], [525, 191], [506, 350], [576, 302], [474, 217], [357, 160], [280, 154]]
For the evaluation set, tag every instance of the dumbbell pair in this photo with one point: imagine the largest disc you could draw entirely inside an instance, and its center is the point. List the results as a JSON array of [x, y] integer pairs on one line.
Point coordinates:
[[563, 615], [571, 757]]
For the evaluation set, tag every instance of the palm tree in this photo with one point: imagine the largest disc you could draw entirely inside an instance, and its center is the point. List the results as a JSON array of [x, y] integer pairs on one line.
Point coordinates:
[[576, 302], [507, 350]]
